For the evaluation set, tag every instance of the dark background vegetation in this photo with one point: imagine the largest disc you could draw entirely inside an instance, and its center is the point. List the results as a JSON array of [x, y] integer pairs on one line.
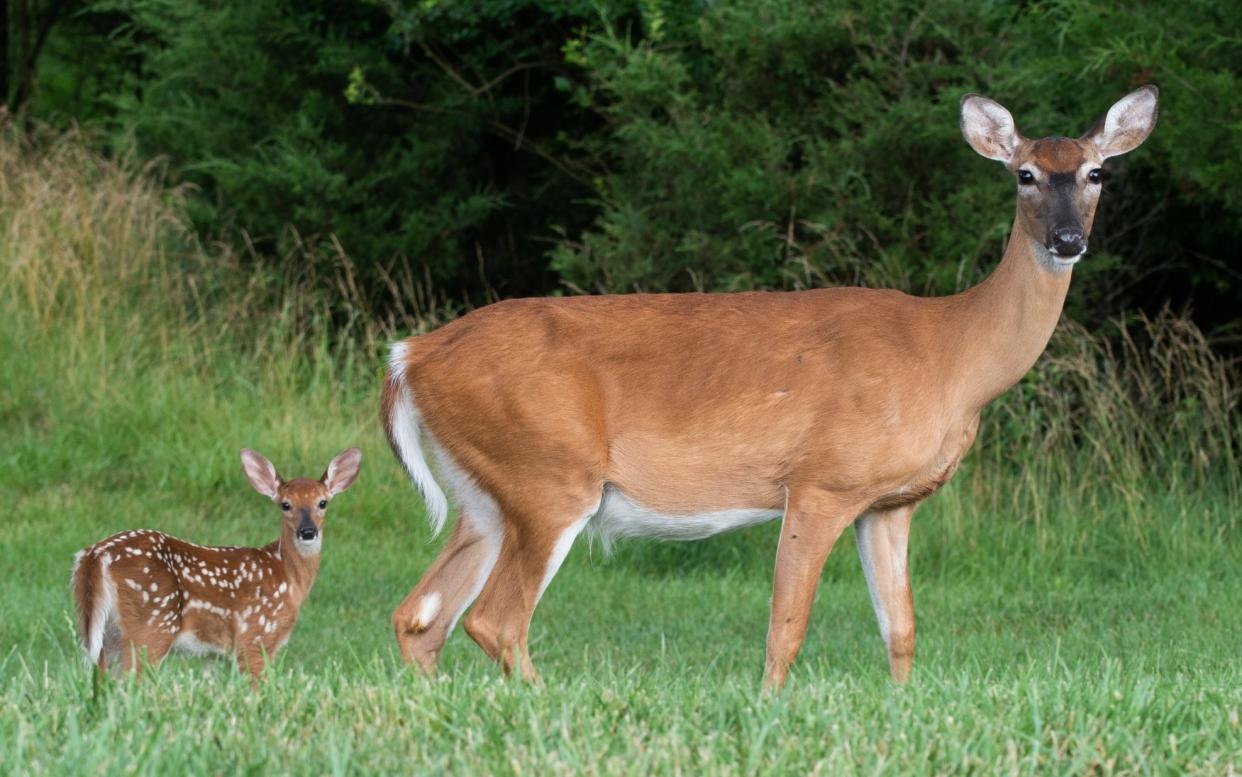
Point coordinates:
[[471, 150]]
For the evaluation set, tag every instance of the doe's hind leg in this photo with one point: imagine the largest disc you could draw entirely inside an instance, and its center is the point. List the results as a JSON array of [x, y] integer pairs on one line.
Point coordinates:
[[427, 616], [530, 556]]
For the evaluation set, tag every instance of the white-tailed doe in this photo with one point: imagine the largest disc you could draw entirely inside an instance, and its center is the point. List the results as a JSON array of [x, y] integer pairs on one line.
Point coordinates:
[[143, 593], [683, 415]]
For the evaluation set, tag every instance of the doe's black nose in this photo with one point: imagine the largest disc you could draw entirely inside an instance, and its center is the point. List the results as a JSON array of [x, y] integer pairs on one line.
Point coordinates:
[[1068, 241], [307, 534]]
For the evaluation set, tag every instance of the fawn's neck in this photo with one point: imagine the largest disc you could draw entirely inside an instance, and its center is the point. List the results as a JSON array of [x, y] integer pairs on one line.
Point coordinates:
[[299, 567]]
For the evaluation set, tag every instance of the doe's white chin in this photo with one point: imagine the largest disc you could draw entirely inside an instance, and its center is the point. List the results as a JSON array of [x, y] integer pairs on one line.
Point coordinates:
[[1058, 262]]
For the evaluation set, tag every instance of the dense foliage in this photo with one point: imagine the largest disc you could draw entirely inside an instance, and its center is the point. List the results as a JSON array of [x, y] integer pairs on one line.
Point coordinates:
[[510, 147]]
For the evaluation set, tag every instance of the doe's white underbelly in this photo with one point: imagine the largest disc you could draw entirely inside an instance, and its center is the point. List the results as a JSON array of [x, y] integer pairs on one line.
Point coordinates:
[[619, 516]]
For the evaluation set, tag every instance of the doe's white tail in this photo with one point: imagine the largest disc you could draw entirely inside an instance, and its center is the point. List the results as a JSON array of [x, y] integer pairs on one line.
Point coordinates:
[[404, 428]]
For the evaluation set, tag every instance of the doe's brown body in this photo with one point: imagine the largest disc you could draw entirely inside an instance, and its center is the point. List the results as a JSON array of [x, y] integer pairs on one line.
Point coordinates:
[[678, 415]]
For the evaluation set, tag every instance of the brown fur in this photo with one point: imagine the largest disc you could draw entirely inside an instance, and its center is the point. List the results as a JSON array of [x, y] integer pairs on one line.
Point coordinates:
[[838, 405], [1049, 157], [87, 588]]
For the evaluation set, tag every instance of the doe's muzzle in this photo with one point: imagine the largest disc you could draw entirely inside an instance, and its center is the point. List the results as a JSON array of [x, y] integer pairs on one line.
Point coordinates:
[[1067, 241]]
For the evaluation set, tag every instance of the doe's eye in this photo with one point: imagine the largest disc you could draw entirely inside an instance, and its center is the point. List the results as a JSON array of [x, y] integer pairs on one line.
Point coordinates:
[[1096, 175], [1026, 177], [323, 503], [285, 506]]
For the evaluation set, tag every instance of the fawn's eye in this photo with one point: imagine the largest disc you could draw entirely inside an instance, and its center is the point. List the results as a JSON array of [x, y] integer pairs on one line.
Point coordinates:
[[1096, 175], [323, 503], [1026, 177], [285, 506]]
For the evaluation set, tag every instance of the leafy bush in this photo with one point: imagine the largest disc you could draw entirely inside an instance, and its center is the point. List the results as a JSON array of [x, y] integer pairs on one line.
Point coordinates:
[[781, 144], [253, 103], [510, 147]]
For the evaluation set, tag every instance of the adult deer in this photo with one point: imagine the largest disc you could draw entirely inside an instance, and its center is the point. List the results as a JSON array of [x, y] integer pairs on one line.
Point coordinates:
[[146, 593], [680, 416]]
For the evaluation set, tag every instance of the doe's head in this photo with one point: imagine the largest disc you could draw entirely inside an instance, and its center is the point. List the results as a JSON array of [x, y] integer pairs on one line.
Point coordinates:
[[302, 501], [1058, 178]]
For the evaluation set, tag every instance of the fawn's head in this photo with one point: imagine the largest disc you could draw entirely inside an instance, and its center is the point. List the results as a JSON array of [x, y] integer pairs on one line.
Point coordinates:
[[302, 501], [1058, 178]]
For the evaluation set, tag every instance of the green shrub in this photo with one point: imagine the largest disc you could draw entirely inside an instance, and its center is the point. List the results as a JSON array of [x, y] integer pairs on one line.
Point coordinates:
[[510, 147], [781, 144]]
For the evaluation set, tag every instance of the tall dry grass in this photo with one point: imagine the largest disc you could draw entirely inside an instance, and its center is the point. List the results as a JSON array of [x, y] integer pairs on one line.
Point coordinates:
[[133, 351], [1111, 432], [94, 249]]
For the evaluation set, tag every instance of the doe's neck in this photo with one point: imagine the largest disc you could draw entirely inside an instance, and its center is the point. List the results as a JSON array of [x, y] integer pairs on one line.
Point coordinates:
[[1004, 323]]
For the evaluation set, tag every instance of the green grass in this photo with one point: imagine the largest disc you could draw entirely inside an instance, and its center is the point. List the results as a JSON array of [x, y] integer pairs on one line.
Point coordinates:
[[647, 665], [1078, 585]]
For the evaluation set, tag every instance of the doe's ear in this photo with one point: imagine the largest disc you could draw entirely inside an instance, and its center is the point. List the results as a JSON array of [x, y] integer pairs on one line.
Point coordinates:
[[1127, 124], [989, 128], [260, 472], [342, 471]]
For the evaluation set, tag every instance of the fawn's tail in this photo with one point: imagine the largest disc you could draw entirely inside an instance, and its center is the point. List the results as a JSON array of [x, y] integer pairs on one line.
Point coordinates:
[[95, 597]]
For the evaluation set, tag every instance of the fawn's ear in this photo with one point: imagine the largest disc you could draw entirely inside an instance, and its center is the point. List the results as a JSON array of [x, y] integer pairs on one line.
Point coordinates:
[[1127, 123], [343, 471], [260, 472], [989, 128]]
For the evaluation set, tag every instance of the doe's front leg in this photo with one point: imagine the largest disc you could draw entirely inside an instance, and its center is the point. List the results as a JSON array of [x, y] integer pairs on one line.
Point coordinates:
[[814, 520], [882, 548]]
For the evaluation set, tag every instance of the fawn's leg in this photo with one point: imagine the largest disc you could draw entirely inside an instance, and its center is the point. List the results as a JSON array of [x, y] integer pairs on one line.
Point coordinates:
[[139, 643], [251, 660]]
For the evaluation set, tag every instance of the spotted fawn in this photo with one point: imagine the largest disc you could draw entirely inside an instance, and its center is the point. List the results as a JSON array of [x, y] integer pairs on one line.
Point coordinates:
[[143, 593]]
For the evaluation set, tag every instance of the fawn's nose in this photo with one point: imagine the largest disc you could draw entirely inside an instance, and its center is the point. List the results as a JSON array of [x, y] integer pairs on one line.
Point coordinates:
[[307, 530], [1068, 241]]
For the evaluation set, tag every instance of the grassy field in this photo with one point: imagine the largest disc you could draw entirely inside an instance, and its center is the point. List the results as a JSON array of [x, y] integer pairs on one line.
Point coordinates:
[[1079, 584]]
